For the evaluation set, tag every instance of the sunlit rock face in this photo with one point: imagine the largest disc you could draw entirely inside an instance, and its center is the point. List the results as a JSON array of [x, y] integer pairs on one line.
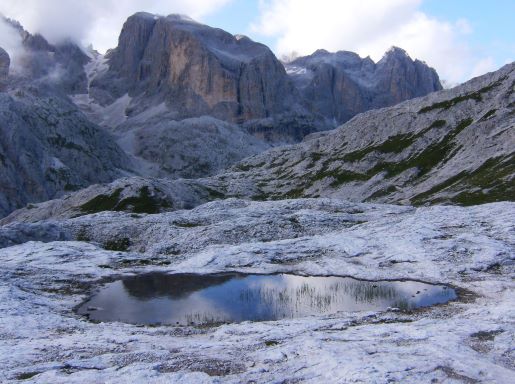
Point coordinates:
[[196, 69]]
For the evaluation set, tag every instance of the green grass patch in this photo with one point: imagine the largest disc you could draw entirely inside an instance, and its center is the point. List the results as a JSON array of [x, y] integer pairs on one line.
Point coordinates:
[[382, 192], [26, 375], [426, 160], [489, 114], [492, 181], [186, 224], [143, 203], [477, 96], [425, 196], [102, 202]]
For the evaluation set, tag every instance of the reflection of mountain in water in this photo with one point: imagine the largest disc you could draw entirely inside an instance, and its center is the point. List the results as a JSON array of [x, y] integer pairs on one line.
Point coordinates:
[[158, 298], [177, 286]]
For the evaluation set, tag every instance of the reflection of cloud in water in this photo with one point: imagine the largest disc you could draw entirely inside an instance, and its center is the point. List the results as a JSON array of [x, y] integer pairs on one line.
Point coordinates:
[[237, 297]]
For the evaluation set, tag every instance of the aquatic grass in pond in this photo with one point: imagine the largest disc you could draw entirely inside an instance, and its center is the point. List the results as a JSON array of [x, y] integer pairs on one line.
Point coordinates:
[[183, 299]]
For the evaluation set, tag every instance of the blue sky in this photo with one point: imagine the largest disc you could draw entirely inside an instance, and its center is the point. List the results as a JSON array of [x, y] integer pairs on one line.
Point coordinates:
[[491, 34], [492, 22], [459, 38]]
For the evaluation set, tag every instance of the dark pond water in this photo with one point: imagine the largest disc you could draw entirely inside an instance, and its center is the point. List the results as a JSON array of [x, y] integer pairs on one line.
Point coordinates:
[[184, 299]]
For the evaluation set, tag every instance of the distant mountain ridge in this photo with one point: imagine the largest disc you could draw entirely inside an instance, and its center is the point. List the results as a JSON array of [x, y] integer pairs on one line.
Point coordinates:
[[199, 70], [340, 85]]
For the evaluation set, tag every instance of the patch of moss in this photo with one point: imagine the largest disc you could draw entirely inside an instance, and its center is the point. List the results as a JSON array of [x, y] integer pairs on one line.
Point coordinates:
[[247, 167], [394, 144], [71, 187], [426, 160], [493, 181], [144, 203], [82, 235], [121, 245], [102, 202], [489, 114], [477, 96], [382, 192], [452, 102], [295, 193], [424, 196], [343, 176], [26, 375], [438, 124], [213, 194], [185, 224], [260, 197], [61, 142]]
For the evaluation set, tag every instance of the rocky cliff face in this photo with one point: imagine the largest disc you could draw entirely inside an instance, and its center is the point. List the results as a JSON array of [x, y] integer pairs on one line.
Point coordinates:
[[340, 85], [196, 69]]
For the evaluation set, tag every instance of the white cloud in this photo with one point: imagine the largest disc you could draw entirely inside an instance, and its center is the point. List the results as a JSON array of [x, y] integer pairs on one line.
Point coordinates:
[[483, 66], [95, 21], [370, 27], [10, 40]]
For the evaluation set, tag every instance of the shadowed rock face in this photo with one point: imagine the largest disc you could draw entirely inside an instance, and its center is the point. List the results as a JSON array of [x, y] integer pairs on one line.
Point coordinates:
[[47, 146], [5, 62], [340, 85], [196, 69]]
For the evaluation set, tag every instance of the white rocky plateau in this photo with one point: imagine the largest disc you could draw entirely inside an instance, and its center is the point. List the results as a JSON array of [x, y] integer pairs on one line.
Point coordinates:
[[465, 341]]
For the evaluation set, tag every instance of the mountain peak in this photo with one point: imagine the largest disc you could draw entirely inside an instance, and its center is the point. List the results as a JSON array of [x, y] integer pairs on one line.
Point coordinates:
[[396, 52], [181, 17]]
